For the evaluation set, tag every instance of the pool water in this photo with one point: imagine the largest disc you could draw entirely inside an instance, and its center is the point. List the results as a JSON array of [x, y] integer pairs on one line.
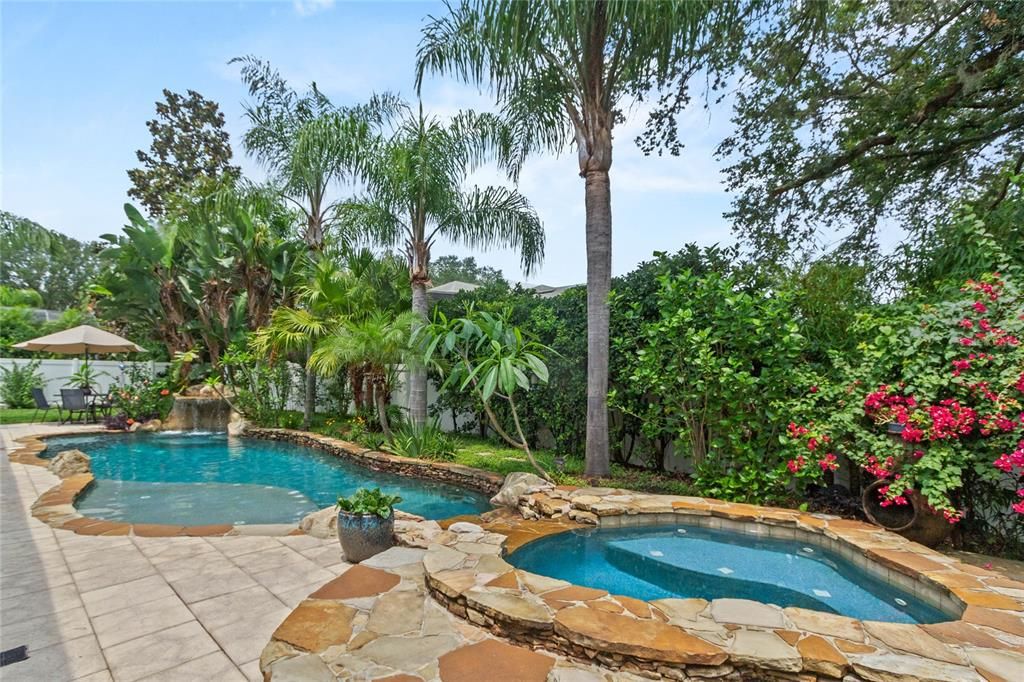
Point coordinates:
[[663, 562], [203, 478]]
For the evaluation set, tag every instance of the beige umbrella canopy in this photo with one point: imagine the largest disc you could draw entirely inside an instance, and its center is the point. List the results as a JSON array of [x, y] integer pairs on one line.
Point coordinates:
[[82, 339]]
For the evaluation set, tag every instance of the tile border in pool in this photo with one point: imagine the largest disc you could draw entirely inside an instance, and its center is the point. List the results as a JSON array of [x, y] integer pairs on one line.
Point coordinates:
[[984, 638], [55, 507]]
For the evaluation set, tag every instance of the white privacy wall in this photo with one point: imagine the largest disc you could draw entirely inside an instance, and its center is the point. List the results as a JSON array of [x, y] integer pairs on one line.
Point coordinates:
[[57, 372]]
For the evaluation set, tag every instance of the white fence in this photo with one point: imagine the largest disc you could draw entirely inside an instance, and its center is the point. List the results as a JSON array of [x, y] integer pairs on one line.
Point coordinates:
[[108, 373]]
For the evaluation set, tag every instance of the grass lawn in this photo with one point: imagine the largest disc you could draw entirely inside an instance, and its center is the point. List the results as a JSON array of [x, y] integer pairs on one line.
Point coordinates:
[[24, 415], [498, 457]]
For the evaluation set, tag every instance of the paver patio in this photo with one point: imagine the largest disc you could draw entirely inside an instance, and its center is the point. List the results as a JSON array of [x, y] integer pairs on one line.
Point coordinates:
[[138, 608]]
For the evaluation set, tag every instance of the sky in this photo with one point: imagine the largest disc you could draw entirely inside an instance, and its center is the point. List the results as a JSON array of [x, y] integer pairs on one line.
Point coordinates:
[[80, 80]]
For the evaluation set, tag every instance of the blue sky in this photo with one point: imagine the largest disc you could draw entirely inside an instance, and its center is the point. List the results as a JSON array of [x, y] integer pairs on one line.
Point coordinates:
[[79, 81]]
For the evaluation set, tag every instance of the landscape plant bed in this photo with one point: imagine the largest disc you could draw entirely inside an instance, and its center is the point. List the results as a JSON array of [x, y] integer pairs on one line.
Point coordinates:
[[469, 477]]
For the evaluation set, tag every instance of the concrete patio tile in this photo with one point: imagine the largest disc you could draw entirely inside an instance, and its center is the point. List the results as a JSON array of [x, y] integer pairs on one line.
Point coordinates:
[[47, 630], [285, 578], [327, 555], [28, 606], [42, 578], [97, 578], [305, 542], [101, 676], [185, 567], [251, 670], [228, 608], [103, 558], [139, 620], [238, 545], [161, 550], [268, 559], [159, 651], [70, 660], [243, 640], [206, 585], [131, 593], [215, 667], [296, 595]]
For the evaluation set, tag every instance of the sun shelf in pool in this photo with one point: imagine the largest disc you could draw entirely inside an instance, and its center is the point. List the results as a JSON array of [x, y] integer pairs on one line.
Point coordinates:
[[662, 562], [196, 479]]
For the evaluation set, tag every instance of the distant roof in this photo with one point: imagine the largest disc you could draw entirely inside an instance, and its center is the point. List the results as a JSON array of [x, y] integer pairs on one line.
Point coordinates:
[[545, 291], [450, 289]]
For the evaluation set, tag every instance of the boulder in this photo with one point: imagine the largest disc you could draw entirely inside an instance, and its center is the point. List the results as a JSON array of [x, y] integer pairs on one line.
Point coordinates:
[[465, 527], [151, 426], [69, 463], [237, 425], [321, 524], [517, 484]]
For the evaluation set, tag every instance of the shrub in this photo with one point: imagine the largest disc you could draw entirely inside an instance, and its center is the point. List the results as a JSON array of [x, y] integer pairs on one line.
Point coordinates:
[[933, 403], [428, 442], [142, 397], [17, 382], [714, 372]]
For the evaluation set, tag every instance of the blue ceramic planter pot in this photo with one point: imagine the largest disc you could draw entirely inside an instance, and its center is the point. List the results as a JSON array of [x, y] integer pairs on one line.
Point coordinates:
[[364, 535]]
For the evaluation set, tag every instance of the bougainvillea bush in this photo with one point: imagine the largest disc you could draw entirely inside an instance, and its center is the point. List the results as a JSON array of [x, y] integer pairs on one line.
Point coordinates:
[[932, 404]]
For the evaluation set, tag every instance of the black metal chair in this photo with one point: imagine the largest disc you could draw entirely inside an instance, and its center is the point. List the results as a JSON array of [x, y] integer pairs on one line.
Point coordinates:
[[73, 400], [42, 403]]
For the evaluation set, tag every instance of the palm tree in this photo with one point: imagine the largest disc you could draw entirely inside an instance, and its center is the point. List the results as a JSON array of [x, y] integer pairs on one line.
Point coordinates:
[[564, 71], [337, 292], [378, 342], [309, 145], [415, 195]]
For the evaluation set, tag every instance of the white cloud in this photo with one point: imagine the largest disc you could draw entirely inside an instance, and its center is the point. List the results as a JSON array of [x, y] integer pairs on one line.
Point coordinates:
[[307, 8]]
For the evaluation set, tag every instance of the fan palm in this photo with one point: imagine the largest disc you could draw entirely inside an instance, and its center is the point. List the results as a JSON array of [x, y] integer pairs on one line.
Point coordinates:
[[415, 195], [564, 71], [337, 292], [379, 342]]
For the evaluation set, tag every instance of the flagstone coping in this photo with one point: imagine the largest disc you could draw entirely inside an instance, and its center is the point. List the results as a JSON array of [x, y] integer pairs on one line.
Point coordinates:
[[985, 612], [55, 507], [574, 632]]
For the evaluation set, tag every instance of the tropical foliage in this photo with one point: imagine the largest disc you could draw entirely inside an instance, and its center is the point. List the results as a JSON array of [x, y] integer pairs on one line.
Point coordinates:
[[415, 195], [189, 145], [563, 73]]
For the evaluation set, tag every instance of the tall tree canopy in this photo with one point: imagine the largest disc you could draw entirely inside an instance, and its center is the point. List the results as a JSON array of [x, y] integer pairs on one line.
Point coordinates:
[[55, 265], [853, 115], [565, 72], [308, 143], [415, 195], [189, 143], [454, 269]]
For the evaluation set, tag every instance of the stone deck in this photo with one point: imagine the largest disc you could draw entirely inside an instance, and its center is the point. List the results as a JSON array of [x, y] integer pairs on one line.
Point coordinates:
[[458, 610], [129, 607]]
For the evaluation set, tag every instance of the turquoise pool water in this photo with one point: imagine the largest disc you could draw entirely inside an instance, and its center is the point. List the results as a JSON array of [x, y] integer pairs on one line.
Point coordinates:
[[197, 479], [663, 562]]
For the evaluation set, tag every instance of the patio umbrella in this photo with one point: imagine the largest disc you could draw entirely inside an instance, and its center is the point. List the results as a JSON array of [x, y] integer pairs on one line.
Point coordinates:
[[81, 339]]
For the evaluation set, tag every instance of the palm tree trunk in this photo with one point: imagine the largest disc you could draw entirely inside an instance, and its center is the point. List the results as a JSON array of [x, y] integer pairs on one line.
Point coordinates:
[[309, 404], [599, 279], [382, 409], [417, 372]]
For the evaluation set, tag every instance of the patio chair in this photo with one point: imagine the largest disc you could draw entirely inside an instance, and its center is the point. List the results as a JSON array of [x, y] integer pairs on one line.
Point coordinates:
[[42, 404], [73, 400]]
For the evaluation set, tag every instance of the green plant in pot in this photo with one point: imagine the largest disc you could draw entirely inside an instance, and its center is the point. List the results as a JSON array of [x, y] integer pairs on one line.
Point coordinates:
[[366, 523]]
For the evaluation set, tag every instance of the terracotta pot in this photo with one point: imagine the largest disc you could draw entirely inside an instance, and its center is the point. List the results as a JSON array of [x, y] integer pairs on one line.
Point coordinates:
[[916, 521], [364, 535]]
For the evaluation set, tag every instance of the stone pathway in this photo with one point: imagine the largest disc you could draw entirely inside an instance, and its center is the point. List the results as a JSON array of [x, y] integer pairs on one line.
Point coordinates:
[[377, 621], [137, 608]]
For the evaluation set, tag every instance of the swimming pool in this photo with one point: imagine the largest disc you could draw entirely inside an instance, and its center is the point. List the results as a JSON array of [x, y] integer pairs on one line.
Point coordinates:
[[203, 478], [663, 562]]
